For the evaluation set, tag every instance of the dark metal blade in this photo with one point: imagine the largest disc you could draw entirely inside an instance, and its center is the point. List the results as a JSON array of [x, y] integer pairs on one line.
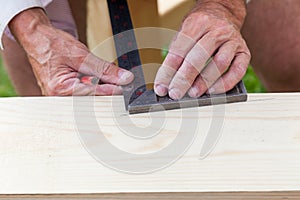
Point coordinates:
[[126, 48], [149, 102]]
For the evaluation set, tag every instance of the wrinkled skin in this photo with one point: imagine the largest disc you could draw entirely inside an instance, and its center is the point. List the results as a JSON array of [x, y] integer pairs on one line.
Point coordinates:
[[58, 59], [211, 29]]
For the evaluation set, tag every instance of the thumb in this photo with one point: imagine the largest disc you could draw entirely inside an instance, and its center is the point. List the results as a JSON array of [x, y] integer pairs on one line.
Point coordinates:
[[105, 71]]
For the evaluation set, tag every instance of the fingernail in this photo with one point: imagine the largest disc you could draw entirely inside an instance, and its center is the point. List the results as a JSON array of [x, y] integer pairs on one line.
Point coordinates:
[[194, 92], [125, 76], [175, 94], [161, 90]]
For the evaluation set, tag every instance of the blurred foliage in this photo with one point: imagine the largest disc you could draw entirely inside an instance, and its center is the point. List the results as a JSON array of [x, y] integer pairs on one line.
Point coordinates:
[[6, 88], [252, 82]]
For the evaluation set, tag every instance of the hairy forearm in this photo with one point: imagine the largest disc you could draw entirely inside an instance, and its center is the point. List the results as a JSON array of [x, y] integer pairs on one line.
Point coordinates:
[[236, 9]]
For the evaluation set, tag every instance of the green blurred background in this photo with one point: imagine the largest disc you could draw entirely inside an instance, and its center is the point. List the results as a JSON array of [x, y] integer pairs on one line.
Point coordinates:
[[6, 89], [252, 83]]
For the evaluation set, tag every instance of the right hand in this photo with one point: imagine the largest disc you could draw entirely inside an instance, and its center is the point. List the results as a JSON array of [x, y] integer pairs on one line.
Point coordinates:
[[58, 59], [211, 30]]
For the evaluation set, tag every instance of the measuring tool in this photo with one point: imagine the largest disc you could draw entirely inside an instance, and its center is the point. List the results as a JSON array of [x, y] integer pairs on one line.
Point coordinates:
[[137, 98]]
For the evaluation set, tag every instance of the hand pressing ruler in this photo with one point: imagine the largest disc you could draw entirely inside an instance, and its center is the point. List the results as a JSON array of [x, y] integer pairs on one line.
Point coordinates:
[[137, 98]]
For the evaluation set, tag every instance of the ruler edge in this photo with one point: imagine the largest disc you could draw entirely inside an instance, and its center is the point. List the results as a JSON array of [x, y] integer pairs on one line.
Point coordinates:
[[242, 96], [127, 95]]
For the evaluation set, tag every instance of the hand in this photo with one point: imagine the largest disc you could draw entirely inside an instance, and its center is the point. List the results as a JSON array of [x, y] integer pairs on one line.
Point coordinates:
[[58, 59], [211, 30]]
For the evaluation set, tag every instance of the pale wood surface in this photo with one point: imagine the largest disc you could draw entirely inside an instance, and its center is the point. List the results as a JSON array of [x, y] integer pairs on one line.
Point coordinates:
[[259, 152], [165, 196]]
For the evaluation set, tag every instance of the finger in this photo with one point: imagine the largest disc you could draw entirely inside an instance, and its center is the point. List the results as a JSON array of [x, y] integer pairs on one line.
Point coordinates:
[[165, 74], [105, 71], [214, 70], [233, 76], [81, 89], [195, 62], [179, 48], [61, 83], [193, 28]]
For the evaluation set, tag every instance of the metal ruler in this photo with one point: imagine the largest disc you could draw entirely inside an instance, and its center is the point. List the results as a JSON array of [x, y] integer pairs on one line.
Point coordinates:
[[137, 98], [126, 48]]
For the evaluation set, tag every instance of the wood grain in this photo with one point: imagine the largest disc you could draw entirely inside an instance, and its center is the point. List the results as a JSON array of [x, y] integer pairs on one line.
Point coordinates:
[[257, 157], [164, 196]]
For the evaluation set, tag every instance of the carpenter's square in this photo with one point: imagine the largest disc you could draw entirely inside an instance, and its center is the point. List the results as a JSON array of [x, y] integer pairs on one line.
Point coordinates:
[[137, 98]]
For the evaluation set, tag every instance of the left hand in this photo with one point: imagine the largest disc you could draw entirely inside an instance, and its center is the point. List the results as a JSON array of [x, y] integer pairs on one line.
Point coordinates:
[[210, 30], [59, 60]]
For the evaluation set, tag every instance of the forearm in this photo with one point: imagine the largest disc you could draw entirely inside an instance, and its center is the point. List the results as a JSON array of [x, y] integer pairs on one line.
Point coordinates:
[[26, 25], [11, 8], [233, 9]]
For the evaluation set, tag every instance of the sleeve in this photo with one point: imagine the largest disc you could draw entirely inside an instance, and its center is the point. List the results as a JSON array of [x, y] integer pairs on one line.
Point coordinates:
[[11, 8]]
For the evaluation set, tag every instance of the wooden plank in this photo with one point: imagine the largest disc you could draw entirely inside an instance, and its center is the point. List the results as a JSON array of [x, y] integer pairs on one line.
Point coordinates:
[[164, 196], [257, 157]]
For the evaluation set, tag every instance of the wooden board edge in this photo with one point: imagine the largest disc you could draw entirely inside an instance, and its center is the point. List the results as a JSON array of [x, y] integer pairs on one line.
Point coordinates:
[[172, 195]]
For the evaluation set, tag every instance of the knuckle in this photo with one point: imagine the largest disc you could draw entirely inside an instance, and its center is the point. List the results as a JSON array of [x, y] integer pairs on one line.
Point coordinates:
[[197, 18], [198, 85], [223, 24], [59, 88], [227, 85], [196, 22], [164, 75], [224, 32], [189, 72], [203, 18], [51, 92], [176, 59], [243, 45], [248, 53], [206, 78], [220, 34], [51, 89], [106, 68], [240, 71], [180, 81], [101, 67], [222, 62]]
